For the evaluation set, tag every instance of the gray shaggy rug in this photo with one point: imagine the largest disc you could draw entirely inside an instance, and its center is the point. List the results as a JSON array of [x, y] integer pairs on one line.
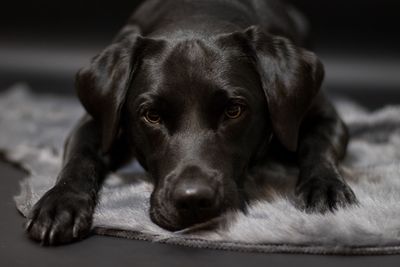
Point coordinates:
[[32, 130]]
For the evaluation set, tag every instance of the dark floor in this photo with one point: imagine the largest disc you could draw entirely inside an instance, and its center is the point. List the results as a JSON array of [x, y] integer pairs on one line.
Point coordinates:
[[16, 250]]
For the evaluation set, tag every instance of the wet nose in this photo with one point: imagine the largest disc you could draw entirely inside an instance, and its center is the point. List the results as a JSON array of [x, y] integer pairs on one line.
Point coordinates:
[[195, 197]]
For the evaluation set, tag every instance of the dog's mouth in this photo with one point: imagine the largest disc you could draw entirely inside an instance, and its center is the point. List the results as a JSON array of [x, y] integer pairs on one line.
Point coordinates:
[[185, 222], [181, 225]]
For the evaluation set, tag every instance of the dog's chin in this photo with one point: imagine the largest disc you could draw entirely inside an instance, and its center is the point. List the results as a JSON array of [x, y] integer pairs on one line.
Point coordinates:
[[174, 223], [164, 221]]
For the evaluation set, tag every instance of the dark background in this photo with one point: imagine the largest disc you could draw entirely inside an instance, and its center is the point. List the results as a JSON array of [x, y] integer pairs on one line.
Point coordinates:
[[44, 43]]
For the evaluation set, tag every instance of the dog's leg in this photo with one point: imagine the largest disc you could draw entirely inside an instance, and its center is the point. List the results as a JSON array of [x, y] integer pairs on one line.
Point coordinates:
[[64, 213], [322, 144]]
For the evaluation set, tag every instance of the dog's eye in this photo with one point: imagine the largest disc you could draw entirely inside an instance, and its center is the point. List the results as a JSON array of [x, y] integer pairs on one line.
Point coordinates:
[[234, 111], [151, 116]]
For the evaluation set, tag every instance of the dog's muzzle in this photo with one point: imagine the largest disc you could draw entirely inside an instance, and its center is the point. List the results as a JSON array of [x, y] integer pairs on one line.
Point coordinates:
[[193, 196]]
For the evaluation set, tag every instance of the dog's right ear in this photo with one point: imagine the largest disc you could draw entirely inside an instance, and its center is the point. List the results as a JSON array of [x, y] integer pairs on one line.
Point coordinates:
[[102, 85]]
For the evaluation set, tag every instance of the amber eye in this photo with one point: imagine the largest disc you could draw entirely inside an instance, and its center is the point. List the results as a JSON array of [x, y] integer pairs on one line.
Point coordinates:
[[234, 111], [151, 116]]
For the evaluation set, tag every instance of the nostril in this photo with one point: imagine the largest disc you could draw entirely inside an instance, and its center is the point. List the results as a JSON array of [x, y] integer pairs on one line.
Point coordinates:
[[205, 203], [182, 204]]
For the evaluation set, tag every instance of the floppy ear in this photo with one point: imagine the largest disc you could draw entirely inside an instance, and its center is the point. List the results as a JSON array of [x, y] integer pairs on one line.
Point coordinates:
[[102, 85], [291, 78]]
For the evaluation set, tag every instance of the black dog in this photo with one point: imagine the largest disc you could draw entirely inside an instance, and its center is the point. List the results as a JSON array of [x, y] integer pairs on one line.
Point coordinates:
[[196, 91]]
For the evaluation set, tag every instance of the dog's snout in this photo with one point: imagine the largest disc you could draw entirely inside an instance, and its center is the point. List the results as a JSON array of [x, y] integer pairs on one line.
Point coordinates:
[[194, 197]]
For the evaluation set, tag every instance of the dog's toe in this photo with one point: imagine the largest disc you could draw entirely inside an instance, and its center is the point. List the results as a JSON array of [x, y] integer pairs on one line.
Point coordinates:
[[61, 228], [341, 196], [39, 229]]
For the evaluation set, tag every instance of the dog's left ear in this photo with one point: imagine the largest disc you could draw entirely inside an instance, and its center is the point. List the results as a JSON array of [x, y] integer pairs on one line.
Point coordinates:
[[291, 78]]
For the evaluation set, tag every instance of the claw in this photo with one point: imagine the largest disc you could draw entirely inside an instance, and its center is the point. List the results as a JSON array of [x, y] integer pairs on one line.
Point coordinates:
[[76, 228], [52, 236], [75, 231], [28, 224], [43, 236]]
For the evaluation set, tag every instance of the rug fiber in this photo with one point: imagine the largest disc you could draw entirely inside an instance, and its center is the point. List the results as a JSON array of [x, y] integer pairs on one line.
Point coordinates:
[[33, 128]]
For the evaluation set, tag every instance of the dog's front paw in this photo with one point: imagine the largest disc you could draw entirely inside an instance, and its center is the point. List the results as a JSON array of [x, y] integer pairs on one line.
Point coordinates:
[[60, 216], [325, 192]]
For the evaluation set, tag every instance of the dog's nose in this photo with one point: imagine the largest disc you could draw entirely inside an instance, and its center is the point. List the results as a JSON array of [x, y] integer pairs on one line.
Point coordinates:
[[195, 197]]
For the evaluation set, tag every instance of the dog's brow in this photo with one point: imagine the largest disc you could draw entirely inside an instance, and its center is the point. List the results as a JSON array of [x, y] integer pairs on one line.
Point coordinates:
[[238, 92], [144, 100]]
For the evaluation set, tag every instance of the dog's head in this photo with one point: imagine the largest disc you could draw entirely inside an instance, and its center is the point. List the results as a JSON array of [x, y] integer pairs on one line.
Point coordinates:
[[199, 112]]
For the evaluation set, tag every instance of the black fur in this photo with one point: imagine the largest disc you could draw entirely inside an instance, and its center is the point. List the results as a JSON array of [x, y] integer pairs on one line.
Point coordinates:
[[167, 92]]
